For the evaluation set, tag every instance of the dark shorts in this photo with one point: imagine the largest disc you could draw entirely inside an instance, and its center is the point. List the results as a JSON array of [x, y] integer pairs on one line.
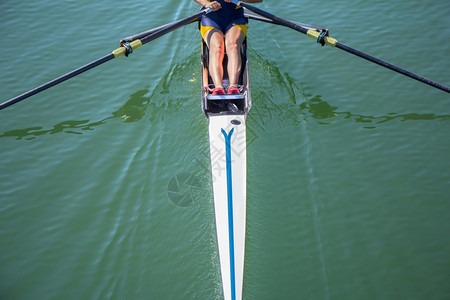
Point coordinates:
[[207, 24]]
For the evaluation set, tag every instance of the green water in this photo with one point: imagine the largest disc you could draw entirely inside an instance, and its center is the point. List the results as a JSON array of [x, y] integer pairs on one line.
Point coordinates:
[[348, 163]]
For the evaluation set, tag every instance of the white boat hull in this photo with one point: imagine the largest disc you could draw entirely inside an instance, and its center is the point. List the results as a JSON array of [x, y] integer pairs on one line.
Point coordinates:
[[228, 153], [227, 135]]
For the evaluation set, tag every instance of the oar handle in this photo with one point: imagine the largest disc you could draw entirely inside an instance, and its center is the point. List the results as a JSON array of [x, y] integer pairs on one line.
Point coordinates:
[[162, 30], [175, 25], [275, 19]]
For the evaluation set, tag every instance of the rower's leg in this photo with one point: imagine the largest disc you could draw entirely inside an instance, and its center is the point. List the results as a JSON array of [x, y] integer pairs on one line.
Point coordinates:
[[215, 41], [233, 41]]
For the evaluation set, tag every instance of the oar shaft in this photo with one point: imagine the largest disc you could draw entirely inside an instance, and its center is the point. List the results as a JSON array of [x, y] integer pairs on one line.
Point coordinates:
[[277, 20], [58, 80], [154, 33], [174, 26], [251, 15], [392, 67], [144, 34]]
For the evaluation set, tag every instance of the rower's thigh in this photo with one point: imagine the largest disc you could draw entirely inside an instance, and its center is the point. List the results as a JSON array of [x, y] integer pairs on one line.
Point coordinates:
[[234, 36]]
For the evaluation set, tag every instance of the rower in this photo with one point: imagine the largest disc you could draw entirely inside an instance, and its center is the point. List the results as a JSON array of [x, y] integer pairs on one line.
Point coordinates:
[[224, 29]]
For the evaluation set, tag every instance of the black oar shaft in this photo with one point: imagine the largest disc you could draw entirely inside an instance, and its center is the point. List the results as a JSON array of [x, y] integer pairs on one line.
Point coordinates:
[[333, 42], [392, 67], [275, 19], [254, 16], [174, 26], [58, 80], [144, 34], [154, 33]]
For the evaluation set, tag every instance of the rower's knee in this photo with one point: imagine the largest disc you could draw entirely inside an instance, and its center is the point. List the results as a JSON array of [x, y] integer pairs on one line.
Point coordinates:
[[232, 47], [217, 50]]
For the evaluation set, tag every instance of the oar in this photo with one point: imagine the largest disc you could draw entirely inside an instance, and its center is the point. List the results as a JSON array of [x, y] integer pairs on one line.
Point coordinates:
[[323, 38], [126, 48]]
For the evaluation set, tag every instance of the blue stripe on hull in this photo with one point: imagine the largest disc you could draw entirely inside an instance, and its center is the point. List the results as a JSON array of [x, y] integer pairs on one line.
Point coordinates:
[[230, 210]]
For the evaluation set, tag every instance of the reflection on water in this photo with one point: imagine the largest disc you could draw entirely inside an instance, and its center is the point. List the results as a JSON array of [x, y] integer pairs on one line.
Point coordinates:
[[132, 111], [74, 127], [327, 114]]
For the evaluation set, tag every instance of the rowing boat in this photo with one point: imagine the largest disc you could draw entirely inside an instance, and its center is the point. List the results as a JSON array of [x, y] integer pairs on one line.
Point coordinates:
[[227, 138]]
